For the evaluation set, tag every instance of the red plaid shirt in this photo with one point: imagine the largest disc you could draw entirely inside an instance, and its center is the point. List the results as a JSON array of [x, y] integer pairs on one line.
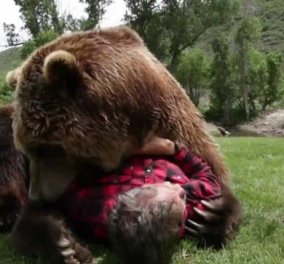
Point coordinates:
[[88, 200]]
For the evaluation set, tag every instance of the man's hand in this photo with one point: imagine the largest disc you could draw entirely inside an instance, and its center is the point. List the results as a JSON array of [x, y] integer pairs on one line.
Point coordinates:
[[157, 146]]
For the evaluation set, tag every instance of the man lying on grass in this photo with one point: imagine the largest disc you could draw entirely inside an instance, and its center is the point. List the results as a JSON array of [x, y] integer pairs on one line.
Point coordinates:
[[141, 220]]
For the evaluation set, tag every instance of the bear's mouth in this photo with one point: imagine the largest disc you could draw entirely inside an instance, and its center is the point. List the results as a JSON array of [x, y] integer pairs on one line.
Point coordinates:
[[47, 150]]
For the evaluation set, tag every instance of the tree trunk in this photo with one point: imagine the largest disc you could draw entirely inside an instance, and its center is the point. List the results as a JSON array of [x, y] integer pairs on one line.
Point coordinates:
[[246, 102], [243, 86], [174, 60], [226, 113]]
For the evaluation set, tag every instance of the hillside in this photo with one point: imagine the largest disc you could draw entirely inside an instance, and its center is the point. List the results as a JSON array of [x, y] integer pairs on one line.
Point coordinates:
[[271, 14], [9, 59]]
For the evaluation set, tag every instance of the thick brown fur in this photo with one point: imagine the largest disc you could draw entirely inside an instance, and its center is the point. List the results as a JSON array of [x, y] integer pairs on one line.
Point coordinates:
[[13, 172], [96, 96], [41, 231]]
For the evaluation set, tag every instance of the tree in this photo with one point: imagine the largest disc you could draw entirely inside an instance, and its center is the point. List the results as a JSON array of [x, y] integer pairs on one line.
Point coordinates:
[[193, 72], [264, 79], [223, 97], [146, 17], [274, 80], [187, 20], [11, 35], [95, 10], [42, 38], [39, 15], [171, 26], [6, 93], [257, 79], [248, 32], [71, 23]]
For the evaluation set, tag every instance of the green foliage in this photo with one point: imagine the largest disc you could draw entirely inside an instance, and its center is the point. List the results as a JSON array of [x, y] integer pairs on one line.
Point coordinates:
[[6, 93], [274, 88], [146, 18], [271, 14], [244, 80], [193, 73], [248, 31], [27, 49], [39, 15], [95, 10], [42, 38], [186, 21], [42, 15], [257, 78], [224, 102], [71, 23], [11, 35], [170, 27]]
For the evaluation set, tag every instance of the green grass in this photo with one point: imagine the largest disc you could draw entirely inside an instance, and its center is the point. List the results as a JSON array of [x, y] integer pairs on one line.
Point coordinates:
[[257, 166]]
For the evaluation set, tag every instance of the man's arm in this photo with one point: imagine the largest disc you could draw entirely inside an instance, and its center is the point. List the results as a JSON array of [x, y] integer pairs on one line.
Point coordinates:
[[203, 183]]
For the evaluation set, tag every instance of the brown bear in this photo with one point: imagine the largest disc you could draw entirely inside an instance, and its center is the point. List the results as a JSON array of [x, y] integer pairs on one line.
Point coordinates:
[[13, 172], [92, 98]]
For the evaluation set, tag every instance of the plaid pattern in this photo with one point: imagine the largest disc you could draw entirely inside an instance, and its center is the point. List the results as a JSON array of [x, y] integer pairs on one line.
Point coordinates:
[[88, 200]]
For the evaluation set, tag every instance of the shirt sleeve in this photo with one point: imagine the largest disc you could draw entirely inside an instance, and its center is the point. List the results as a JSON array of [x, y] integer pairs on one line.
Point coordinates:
[[199, 172], [202, 185]]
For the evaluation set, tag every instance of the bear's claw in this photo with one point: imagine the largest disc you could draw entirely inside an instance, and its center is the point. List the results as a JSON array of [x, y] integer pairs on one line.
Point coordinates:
[[72, 252]]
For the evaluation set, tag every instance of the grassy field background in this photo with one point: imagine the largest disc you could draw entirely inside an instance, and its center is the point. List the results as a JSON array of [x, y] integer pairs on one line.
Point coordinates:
[[257, 167]]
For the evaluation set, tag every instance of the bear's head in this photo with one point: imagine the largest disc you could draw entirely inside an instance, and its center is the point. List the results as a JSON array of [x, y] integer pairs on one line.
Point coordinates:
[[74, 94]]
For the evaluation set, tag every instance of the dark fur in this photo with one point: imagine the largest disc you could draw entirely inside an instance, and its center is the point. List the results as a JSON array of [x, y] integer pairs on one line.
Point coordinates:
[[13, 172], [38, 231]]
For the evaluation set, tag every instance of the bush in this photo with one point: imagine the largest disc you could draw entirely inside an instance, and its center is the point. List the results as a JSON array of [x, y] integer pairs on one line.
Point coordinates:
[[6, 93], [42, 38], [243, 85], [193, 73]]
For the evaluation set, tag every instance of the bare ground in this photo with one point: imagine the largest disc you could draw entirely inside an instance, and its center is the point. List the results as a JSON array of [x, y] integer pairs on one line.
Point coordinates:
[[268, 124]]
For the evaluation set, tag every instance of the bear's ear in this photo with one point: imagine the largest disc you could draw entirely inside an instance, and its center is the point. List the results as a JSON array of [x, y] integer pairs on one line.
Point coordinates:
[[12, 77], [61, 69]]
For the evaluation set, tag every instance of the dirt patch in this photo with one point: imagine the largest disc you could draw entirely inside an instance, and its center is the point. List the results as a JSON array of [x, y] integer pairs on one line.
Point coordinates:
[[268, 124]]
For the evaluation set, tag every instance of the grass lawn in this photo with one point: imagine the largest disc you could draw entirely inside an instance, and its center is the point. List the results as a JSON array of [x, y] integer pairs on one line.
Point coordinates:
[[257, 166]]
